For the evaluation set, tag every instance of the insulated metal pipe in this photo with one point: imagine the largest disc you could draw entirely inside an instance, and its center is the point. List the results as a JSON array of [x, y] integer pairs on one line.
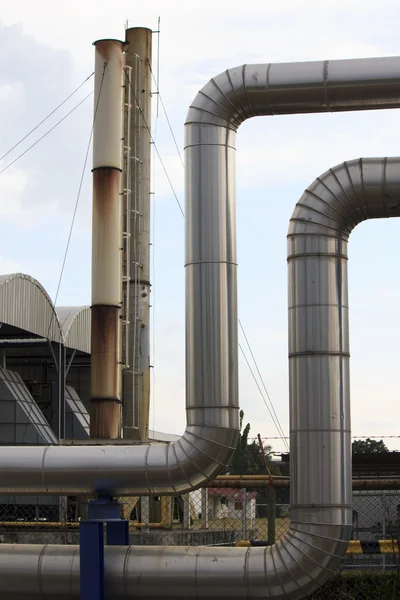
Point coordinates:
[[105, 392], [211, 311], [310, 551], [358, 484]]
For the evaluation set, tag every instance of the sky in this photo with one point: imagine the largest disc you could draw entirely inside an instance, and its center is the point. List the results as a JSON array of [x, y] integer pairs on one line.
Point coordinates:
[[46, 52]]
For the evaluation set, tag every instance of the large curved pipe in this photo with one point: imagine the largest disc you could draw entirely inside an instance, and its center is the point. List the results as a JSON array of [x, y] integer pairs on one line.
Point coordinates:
[[211, 305], [320, 439], [321, 503]]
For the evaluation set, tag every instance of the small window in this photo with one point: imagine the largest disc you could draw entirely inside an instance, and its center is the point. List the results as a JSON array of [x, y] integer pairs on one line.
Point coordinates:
[[223, 500], [238, 505]]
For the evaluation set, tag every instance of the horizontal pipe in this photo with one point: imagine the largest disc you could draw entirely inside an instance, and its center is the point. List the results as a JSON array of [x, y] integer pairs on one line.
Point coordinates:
[[295, 88], [354, 547], [251, 477], [264, 482], [157, 469], [140, 572], [21, 342]]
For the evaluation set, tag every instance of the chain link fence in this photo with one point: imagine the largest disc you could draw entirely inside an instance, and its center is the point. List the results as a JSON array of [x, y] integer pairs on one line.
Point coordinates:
[[227, 516]]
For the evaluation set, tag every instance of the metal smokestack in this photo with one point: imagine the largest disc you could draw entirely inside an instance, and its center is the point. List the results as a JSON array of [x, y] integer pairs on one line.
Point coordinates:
[[106, 242], [136, 377]]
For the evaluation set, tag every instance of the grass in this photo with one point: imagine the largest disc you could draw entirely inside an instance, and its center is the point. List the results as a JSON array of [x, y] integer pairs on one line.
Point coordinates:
[[258, 528], [360, 586]]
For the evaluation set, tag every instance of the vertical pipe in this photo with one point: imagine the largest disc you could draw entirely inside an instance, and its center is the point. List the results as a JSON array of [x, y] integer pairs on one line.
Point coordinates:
[[136, 378], [106, 241]]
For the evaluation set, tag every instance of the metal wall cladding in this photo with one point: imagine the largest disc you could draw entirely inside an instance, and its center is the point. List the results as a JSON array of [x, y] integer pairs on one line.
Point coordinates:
[[24, 303], [77, 419], [21, 420]]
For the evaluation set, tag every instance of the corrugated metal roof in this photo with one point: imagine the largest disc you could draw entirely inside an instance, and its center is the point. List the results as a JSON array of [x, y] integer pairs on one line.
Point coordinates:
[[159, 436], [75, 322], [24, 303]]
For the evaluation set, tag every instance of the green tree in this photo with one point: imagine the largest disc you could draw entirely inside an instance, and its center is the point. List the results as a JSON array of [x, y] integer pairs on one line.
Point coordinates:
[[248, 458], [369, 446], [239, 461]]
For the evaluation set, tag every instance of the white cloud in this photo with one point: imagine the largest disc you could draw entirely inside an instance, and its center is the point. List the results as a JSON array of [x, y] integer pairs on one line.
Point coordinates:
[[11, 96], [9, 266], [14, 183]]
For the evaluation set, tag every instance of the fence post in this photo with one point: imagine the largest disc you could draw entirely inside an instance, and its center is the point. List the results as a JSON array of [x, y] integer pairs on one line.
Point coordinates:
[[63, 509], [244, 513], [271, 498], [204, 508], [145, 509], [186, 511], [271, 513]]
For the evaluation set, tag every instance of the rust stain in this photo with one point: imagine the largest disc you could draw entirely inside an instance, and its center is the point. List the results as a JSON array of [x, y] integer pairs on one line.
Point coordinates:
[[106, 186], [105, 419], [105, 373], [105, 352], [109, 49]]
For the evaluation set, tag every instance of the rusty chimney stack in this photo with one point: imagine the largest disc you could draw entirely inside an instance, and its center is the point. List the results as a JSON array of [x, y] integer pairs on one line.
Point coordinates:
[[106, 242]]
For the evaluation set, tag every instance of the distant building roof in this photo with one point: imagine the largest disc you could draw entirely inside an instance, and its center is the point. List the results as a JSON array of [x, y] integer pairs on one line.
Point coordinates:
[[25, 304], [159, 436], [231, 493], [75, 322]]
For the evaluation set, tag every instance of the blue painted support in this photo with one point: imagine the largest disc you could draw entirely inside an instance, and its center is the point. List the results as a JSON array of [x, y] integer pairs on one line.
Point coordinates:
[[92, 560], [118, 533], [104, 509], [100, 511]]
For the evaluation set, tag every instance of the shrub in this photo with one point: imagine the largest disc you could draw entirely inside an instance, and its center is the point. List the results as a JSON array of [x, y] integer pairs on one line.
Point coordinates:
[[360, 586]]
